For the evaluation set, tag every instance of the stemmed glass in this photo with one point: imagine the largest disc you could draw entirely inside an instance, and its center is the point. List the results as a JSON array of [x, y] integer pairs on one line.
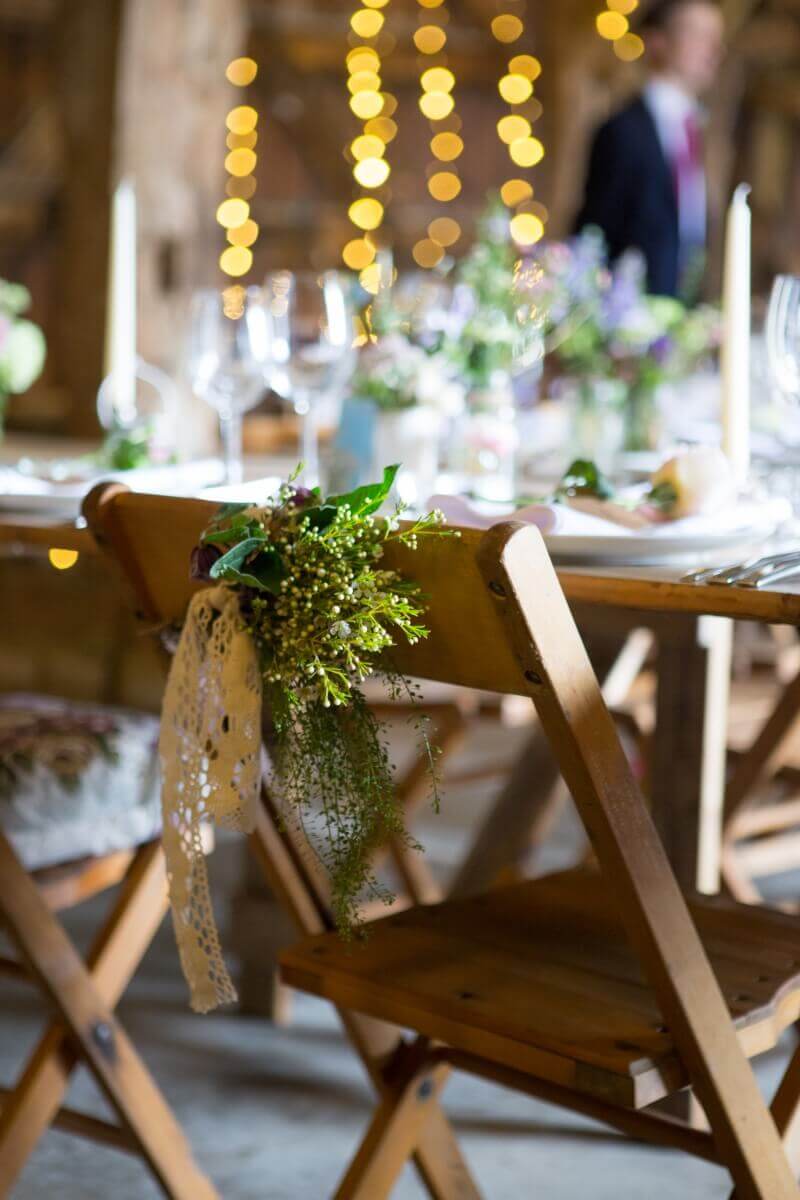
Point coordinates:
[[783, 336], [229, 354], [313, 351]]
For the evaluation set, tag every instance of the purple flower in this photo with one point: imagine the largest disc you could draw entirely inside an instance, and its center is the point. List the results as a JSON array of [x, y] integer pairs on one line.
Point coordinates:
[[302, 497], [661, 348], [203, 559]]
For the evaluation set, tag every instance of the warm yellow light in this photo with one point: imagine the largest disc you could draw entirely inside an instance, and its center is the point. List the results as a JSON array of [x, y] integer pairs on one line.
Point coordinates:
[[430, 39], [366, 213], [430, 3], [367, 146], [241, 71], [364, 81], [437, 79], [514, 191], [240, 162], [358, 253], [446, 146], [511, 128], [371, 278], [371, 172], [629, 47], [444, 185], [526, 151], [533, 108], [62, 560], [444, 230], [507, 28], [366, 22], [526, 229], [241, 141], [366, 104], [538, 210], [233, 298], [611, 25], [626, 7], [242, 119], [232, 213], [436, 105], [389, 104], [374, 3], [244, 234], [241, 188], [527, 65], [427, 253], [236, 260], [382, 127], [515, 89], [363, 58]]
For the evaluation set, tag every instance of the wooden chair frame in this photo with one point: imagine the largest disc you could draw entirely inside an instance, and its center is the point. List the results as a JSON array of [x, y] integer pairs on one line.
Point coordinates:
[[128, 527], [529, 643], [83, 996]]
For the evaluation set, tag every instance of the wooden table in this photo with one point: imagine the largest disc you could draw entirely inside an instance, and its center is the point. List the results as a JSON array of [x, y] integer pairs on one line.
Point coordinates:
[[692, 638]]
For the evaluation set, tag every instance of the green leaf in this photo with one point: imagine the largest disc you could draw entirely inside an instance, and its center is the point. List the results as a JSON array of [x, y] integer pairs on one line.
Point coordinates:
[[367, 499], [226, 511], [264, 572], [663, 496], [584, 478]]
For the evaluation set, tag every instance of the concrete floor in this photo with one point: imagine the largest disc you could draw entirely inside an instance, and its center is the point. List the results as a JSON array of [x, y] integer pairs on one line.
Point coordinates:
[[276, 1114]]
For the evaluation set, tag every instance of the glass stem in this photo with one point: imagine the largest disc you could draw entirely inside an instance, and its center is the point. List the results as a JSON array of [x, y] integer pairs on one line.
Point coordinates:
[[309, 445], [230, 426]]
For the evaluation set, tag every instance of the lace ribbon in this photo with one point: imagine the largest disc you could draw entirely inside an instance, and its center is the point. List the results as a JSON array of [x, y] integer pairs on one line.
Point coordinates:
[[210, 763]]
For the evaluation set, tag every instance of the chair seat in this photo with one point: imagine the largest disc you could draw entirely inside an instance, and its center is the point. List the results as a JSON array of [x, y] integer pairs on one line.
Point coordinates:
[[538, 977], [76, 780]]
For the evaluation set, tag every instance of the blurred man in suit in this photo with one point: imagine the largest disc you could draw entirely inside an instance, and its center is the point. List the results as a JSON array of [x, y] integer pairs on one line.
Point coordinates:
[[646, 185]]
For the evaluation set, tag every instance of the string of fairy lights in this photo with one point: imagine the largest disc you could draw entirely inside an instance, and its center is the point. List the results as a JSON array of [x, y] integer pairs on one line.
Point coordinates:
[[233, 214], [614, 26], [437, 103], [515, 130], [367, 152]]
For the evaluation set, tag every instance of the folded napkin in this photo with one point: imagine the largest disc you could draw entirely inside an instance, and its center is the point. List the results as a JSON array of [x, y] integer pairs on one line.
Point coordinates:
[[568, 520]]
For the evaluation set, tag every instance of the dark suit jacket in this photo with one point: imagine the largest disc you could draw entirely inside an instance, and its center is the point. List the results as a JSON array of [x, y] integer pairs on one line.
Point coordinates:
[[630, 195]]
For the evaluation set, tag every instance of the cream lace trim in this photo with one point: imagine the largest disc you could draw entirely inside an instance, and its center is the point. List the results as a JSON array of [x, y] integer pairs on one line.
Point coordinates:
[[210, 762]]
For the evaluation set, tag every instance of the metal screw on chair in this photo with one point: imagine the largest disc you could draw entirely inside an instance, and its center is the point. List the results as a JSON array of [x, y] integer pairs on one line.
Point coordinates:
[[532, 677], [497, 588], [425, 1089], [103, 1038]]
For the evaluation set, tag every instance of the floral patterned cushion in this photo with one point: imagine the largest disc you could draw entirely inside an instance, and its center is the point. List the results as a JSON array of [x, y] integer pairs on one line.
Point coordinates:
[[76, 780]]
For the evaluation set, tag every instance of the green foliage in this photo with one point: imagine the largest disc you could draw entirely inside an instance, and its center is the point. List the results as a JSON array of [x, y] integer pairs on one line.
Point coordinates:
[[584, 478], [22, 344], [321, 611]]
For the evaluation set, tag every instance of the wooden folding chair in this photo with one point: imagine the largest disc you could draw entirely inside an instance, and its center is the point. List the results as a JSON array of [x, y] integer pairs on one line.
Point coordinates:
[[603, 992], [131, 529], [83, 996]]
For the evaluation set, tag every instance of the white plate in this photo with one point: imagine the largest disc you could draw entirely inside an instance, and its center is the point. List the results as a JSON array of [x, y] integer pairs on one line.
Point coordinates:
[[64, 499], [649, 548]]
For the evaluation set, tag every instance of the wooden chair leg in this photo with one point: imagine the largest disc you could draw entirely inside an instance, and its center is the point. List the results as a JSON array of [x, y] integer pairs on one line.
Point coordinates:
[[785, 1109], [115, 955], [293, 878], [395, 1128], [98, 1036]]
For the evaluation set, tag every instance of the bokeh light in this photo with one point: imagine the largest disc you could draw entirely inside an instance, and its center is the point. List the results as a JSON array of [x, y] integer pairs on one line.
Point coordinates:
[[242, 119], [526, 151], [629, 47], [366, 104], [444, 230], [244, 234], [382, 127], [437, 79], [358, 253], [62, 560], [526, 229], [611, 25], [507, 28], [427, 253], [244, 189], [367, 22], [515, 191], [444, 185], [430, 39], [513, 127], [364, 81], [515, 89], [241, 72], [240, 162], [233, 212], [236, 260], [366, 213], [446, 146], [367, 146], [371, 172], [436, 105], [527, 65]]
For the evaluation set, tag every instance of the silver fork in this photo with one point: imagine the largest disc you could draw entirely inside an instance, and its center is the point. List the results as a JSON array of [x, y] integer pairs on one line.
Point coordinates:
[[733, 572], [759, 577]]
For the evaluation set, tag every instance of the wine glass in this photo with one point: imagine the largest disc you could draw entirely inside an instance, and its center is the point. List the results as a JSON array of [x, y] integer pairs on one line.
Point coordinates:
[[783, 336], [313, 350], [229, 352]]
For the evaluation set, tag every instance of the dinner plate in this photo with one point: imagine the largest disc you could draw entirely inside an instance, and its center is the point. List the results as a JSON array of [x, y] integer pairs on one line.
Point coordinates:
[[35, 496]]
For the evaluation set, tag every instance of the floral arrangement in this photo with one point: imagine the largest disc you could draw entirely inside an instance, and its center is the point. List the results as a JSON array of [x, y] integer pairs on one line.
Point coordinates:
[[394, 374], [22, 345], [321, 611], [601, 322]]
